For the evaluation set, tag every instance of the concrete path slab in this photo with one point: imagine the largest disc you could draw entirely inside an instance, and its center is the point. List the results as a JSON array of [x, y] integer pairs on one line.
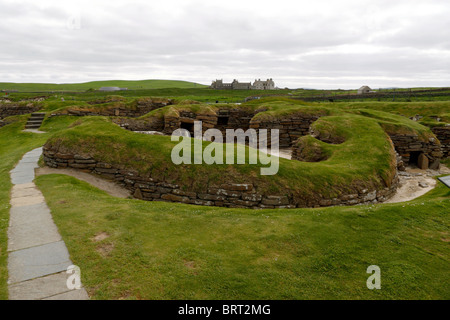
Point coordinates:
[[27, 201], [38, 258], [21, 179], [71, 295], [29, 214], [41, 288], [32, 233], [38, 261], [24, 190], [34, 131]]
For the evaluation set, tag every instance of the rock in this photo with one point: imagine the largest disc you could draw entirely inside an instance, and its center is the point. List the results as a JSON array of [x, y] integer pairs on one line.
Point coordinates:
[[422, 161], [184, 193], [138, 194], [371, 196], [172, 197], [237, 187], [275, 200], [64, 156], [435, 165], [423, 185], [251, 197]]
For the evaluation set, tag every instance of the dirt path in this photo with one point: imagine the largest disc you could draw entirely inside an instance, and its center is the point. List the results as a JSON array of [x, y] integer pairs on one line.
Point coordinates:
[[108, 186], [415, 182]]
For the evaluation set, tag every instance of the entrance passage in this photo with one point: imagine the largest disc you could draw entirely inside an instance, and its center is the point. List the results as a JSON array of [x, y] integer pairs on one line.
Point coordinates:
[[188, 126], [222, 121], [414, 157]]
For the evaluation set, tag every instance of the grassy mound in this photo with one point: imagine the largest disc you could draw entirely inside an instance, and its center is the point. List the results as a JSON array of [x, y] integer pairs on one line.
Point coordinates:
[[365, 160]]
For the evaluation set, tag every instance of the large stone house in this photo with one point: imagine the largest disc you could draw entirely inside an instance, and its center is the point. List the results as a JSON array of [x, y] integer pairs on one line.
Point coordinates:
[[269, 84]]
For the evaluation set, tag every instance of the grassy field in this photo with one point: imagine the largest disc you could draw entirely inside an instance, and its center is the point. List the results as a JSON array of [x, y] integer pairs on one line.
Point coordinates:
[[95, 85], [156, 250]]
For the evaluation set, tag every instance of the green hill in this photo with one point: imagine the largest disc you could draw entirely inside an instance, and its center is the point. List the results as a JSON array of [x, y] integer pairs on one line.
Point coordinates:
[[131, 85]]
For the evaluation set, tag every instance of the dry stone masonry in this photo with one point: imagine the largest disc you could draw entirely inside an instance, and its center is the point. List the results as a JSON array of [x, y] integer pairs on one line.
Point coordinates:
[[426, 154], [410, 149], [15, 109], [443, 134], [226, 195], [142, 106]]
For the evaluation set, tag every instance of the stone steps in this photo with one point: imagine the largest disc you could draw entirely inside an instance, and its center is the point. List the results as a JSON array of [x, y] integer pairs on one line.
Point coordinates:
[[35, 120]]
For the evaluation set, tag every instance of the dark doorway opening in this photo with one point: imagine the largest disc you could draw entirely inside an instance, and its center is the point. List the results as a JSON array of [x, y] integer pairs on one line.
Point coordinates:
[[188, 126], [222, 121], [414, 157]]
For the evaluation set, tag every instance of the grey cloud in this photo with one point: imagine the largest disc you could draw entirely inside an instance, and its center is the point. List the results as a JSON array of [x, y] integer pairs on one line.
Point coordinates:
[[198, 41]]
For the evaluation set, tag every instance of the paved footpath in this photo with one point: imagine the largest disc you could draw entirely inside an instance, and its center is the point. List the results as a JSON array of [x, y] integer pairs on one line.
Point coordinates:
[[37, 256]]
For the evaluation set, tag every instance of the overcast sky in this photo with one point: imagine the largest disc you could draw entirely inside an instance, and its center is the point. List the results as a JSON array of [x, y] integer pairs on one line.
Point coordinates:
[[300, 44]]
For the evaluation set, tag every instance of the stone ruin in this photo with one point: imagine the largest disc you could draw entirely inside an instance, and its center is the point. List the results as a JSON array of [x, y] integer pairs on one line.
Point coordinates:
[[413, 150], [410, 150]]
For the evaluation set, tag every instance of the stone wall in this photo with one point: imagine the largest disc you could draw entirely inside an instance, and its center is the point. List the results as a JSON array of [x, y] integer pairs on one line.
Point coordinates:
[[233, 119], [142, 107], [133, 124], [426, 154], [443, 134], [14, 109], [290, 129], [230, 195], [222, 120], [186, 119]]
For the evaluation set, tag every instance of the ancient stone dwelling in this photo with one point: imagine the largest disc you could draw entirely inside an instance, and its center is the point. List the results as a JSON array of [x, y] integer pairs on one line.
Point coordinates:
[[259, 84], [411, 150]]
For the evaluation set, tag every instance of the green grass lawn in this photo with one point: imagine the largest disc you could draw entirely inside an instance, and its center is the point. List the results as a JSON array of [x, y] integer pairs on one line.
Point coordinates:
[[130, 84], [156, 250]]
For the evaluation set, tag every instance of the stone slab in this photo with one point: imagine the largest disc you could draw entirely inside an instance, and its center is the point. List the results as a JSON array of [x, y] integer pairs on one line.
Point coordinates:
[[19, 191], [29, 160], [34, 131], [445, 180], [25, 185], [39, 288], [29, 214], [79, 294], [20, 174], [25, 167], [32, 233], [38, 261], [34, 152], [21, 179], [27, 201]]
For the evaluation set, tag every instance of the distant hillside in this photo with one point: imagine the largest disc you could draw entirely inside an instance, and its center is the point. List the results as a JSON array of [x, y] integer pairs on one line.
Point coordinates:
[[131, 85]]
